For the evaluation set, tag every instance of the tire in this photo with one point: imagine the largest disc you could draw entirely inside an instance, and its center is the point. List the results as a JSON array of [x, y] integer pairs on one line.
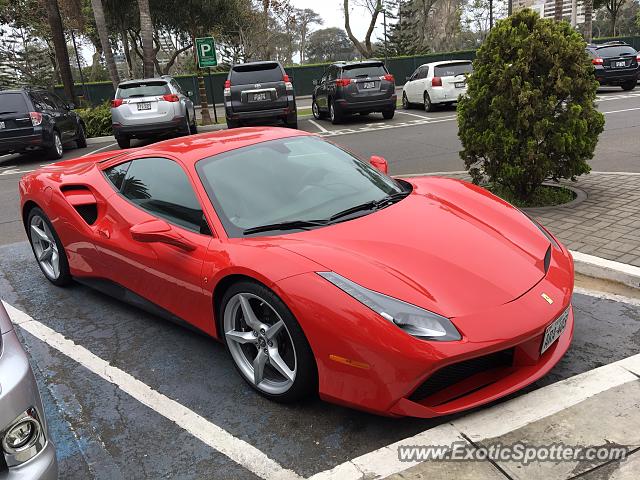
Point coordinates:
[[123, 141], [39, 227], [428, 106], [334, 116], [289, 343], [55, 151], [315, 110], [293, 124], [628, 86], [81, 140], [186, 128], [405, 101], [232, 124], [388, 114], [194, 127]]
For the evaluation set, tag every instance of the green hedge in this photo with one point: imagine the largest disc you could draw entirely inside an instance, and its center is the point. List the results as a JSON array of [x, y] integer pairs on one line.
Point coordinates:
[[97, 119]]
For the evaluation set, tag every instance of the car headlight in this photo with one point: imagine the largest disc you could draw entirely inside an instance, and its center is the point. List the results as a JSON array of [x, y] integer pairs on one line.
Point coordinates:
[[416, 321]]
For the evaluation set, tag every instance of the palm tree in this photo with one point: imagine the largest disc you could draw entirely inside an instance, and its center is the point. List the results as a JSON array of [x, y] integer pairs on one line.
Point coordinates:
[[101, 26], [557, 11], [146, 34], [588, 20], [60, 47]]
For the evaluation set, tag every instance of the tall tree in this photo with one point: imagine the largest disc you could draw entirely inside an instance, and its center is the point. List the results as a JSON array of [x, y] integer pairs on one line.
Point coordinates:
[[304, 19], [60, 46], [101, 26], [146, 34], [613, 7], [557, 10], [588, 20], [374, 7]]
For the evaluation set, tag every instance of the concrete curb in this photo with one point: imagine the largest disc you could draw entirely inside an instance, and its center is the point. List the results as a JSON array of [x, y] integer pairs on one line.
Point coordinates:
[[598, 267]]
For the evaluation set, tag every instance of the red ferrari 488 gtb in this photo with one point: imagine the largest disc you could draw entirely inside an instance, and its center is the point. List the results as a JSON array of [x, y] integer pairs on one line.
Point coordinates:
[[320, 273]]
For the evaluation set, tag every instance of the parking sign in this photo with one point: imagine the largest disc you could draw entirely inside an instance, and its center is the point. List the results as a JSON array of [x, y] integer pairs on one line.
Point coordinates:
[[206, 51]]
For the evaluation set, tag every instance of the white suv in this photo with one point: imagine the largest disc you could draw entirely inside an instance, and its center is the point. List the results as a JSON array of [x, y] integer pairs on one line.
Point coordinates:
[[151, 107], [437, 83]]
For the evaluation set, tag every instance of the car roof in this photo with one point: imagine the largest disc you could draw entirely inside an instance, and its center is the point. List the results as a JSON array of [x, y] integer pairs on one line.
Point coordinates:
[[261, 62], [363, 62], [192, 148], [446, 62], [141, 80]]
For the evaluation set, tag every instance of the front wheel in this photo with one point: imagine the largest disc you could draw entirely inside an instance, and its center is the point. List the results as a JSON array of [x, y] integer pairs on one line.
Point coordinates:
[[405, 102], [428, 106], [47, 248], [55, 151], [630, 85], [334, 116], [266, 343], [315, 109]]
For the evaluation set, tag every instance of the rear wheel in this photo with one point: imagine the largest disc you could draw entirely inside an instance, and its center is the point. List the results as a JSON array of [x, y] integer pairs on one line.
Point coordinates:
[[388, 114], [315, 109], [193, 127], [186, 128], [232, 124], [123, 141], [405, 102], [428, 106], [292, 124], [55, 151], [266, 343], [630, 85], [81, 137], [47, 248]]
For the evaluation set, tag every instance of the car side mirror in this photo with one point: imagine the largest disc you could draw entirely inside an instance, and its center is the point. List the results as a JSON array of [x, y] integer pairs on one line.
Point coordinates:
[[159, 231], [408, 78], [379, 163], [71, 106], [189, 93], [314, 82]]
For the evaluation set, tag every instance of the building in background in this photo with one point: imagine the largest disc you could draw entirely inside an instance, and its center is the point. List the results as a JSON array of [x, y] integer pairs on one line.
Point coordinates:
[[547, 8]]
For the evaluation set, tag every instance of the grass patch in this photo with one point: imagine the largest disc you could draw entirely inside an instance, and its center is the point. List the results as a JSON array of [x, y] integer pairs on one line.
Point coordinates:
[[544, 196]]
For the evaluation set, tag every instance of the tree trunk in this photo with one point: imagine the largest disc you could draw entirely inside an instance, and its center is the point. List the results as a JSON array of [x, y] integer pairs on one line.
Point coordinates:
[[614, 21], [146, 34], [101, 26], [127, 52], [588, 20], [60, 47], [557, 13]]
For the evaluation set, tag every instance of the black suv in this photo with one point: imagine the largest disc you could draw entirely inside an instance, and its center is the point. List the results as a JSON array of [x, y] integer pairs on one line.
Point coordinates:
[[354, 87], [616, 63], [35, 119], [259, 92]]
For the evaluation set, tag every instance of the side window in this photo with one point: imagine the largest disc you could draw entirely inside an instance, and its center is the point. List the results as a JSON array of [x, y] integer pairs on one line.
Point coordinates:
[[176, 87], [116, 174], [324, 76], [61, 104], [332, 74], [162, 188], [38, 102], [48, 101], [424, 72]]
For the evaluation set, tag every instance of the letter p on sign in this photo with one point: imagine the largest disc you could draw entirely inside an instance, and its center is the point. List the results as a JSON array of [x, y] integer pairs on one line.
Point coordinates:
[[206, 51]]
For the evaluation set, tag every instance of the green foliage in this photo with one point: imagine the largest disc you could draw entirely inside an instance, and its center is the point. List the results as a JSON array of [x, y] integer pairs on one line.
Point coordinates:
[[544, 196], [97, 120], [529, 114]]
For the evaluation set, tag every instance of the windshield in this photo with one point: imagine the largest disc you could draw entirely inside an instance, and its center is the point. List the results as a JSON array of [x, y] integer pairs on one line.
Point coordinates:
[[618, 51], [143, 89], [12, 103], [255, 73], [364, 70], [289, 179], [452, 69]]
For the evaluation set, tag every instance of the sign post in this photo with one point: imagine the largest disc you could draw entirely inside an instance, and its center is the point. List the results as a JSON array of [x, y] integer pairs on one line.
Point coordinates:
[[207, 58]]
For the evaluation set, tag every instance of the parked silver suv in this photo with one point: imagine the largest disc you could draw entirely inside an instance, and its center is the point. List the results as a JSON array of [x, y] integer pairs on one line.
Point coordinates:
[[151, 107], [26, 450]]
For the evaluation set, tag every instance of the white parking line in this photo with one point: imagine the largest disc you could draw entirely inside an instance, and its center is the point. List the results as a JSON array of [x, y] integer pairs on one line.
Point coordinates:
[[217, 438], [620, 111], [98, 149], [318, 126], [402, 112]]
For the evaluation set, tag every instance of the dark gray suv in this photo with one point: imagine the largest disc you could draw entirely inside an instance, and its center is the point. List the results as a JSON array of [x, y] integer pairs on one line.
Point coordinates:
[[259, 92], [355, 87]]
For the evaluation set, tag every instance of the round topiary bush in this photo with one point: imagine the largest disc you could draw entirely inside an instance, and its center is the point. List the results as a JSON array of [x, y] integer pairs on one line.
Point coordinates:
[[529, 113]]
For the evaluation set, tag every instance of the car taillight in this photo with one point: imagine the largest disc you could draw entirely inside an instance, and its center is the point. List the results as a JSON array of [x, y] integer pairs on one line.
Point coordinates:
[[638, 58], [227, 88], [116, 103], [436, 82], [287, 82], [597, 61], [388, 77], [343, 82], [171, 97], [36, 118]]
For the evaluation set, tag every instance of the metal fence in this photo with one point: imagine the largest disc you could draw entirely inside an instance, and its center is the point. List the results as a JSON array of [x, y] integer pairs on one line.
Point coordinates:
[[301, 76]]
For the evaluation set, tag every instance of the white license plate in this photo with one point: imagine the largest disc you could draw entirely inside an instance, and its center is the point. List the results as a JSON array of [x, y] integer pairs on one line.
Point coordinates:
[[369, 85], [144, 106], [259, 97], [1, 124], [621, 64], [460, 84], [554, 331]]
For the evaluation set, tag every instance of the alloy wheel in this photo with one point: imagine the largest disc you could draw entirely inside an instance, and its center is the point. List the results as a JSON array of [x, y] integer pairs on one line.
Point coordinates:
[[45, 247], [405, 102], [260, 343], [315, 110], [57, 143]]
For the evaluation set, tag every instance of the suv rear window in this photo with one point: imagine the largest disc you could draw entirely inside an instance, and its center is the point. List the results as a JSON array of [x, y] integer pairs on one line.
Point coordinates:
[[452, 69], [143, 89], [366, 70], [260, 73], [616, 51], [12, 103]]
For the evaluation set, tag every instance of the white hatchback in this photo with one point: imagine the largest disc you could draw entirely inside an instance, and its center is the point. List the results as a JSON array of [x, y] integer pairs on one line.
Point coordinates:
[[437, 83]]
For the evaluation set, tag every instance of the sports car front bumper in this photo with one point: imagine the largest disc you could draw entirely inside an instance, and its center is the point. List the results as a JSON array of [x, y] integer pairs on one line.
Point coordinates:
[[366, 362]]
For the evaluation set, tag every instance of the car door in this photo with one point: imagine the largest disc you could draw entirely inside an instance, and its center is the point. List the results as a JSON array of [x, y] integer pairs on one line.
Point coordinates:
[[154, 237], [321, 91], [422, 84], [56, 108], [410, 86]]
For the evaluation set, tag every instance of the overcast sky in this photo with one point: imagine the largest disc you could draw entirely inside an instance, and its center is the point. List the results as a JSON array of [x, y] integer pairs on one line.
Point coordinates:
[[331, 13]]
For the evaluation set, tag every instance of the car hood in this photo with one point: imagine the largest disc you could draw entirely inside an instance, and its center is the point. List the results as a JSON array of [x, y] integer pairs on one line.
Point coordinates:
[[450, 247]]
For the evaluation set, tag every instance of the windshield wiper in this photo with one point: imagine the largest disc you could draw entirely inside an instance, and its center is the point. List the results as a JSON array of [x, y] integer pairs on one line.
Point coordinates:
[[289, 225], [370, 205]]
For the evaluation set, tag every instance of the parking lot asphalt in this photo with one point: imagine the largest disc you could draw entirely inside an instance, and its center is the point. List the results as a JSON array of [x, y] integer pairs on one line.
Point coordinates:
[[102, 432]]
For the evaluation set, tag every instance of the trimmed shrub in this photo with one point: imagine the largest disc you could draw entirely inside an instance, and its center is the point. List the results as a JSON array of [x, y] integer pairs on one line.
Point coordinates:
[[97, 120], [529, 113]]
